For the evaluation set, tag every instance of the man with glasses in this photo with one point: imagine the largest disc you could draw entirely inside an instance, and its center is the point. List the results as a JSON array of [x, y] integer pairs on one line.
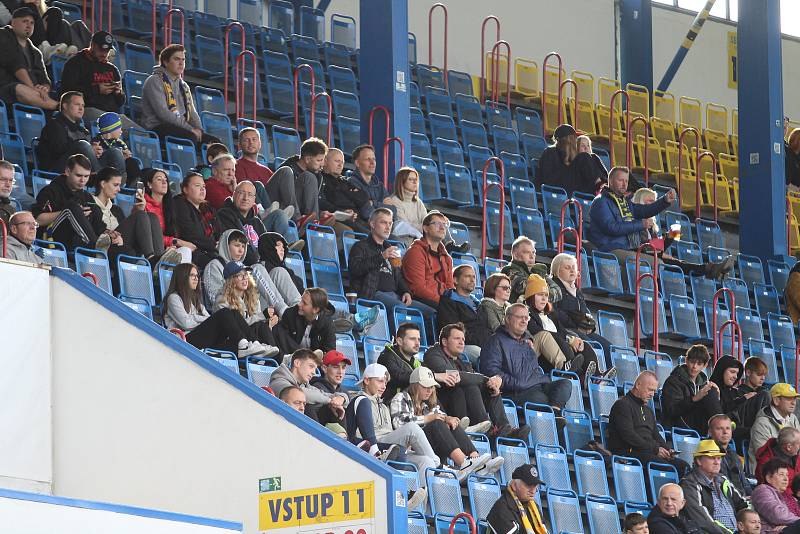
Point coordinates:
[[523, 264], [508, 354], [427, 267], [21, 233], [7, 208]]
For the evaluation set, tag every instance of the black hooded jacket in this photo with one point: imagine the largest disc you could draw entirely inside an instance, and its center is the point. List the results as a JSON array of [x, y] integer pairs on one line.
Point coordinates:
[[663, 524], [289, 331], [676, 397], [270, 259], [580, 175], [228, 217], [730, 396]]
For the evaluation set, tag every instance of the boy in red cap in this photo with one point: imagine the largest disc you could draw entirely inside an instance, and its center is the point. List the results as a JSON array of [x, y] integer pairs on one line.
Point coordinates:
[[334, 365]]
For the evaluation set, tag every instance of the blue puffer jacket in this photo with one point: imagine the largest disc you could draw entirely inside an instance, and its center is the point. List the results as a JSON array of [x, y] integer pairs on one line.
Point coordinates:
[[608, 231], [513, 359]]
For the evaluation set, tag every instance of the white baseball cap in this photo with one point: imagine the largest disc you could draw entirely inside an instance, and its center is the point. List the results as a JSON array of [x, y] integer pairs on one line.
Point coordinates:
[[374, 370], [424, 377]]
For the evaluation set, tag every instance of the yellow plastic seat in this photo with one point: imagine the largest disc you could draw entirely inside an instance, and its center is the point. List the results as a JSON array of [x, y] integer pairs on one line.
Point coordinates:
[[655, 164], [603, 114], [706, 164], [586, 119], [664, 105], [605, 89], [585, 83], [663, 130], [729, 166], [620, 149], [691, 112], [640, 99], [673, 153], [735, 121], [688, 191], [503, 66], [724, 199], [717, 118], [735, 145], [526, 77], [716, 142]]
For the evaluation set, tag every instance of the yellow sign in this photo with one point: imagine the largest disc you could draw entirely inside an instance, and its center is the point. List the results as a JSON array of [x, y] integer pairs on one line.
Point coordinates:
[[733, 67], [330, 504]]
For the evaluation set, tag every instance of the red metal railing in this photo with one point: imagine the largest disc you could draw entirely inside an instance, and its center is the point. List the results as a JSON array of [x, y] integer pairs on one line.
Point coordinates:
[[629, 147], [228, 29], [700, 156], [544, 87], [240, 75], [430, 37], [578, 232], [386, 145], [92, 277], [788, 226], [178, 332], [5, 235], [297, 90], [714, 306], [483, 51], [314, 99], [168, 26], [388, 119], [612, 124], [463, 515], [496, 72], [639, 278], [561, 98], [736, 337], [678, 178], [154, 34], [97, 14], [486, 187]]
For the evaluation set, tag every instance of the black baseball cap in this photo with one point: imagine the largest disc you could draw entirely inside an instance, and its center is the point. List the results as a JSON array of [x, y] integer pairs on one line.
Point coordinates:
[[528, 474], [563, 131], [23, 11], [104, 40]]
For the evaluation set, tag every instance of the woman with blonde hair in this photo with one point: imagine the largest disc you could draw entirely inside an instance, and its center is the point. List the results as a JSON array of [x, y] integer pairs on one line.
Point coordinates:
[[410, 209], [492, 309], [561, 165], [240, 294]]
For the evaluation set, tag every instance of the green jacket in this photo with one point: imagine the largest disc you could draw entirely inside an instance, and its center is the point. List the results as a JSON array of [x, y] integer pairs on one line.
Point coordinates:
[[518, 272]]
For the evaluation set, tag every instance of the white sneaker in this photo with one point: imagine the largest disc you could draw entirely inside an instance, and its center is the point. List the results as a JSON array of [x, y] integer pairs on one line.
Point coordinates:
[[492, 466], [269, 350], [464, 423], [416, 498], [471, 465], [289, 211], [171, 256], [253, 348], [480, 428], [71, 50]]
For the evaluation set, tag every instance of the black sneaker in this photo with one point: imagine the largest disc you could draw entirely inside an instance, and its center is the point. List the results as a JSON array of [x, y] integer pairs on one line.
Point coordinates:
[[501, 432], [522, 433]]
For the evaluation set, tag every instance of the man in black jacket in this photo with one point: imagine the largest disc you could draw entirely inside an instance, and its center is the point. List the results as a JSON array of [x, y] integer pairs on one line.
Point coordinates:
[[688, 398], [666, 518], [23, 77], [90, 73], [239, 212], [372, 274], [506, 515], [65, 135], [632, 429], [465, 392], [459, 305], [338, 194], [65, 211], [308, 324], [400, 358]]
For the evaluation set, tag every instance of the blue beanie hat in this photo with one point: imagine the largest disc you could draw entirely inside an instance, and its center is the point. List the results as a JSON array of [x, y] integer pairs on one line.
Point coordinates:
[[108, 122]]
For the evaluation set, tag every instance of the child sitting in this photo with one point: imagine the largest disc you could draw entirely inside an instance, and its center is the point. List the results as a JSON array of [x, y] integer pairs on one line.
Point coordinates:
[[110, 126]]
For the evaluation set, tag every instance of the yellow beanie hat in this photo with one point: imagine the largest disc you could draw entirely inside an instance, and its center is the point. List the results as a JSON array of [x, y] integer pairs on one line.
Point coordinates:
[[536, 284]]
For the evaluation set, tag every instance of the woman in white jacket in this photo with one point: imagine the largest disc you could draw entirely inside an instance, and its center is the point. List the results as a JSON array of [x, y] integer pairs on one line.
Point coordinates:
[[410, 209]]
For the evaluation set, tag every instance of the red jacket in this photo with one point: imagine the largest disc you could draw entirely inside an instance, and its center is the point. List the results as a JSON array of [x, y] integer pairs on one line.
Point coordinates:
[[216, 193], [428, 273], [156, 208], [767, 453]]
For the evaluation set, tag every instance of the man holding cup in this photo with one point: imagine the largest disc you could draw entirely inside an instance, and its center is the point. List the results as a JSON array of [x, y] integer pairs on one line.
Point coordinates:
[[375, 272]]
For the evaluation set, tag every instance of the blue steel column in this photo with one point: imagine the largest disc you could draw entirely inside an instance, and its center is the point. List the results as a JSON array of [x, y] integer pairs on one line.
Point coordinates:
[[636, 43], [384, 75], [762, 220]]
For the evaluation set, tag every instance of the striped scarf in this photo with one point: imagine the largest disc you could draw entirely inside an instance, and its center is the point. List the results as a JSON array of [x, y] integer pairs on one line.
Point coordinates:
[[172, 102], [532, 512], [635, 238]]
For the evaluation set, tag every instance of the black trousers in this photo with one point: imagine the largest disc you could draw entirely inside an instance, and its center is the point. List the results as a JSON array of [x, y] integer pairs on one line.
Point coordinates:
[[677, 463], [164, 130], [73, 228], [473, 402], [141, 236], [745, 414], [222, 330], [444, 441]]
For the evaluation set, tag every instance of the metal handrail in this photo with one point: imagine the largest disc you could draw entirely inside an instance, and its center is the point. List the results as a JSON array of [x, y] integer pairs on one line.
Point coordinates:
[[639, 277], [486, 186], [239, 73], [611, 125], [91, 20], [496, 73], [430, 37], [463, 515], [5, 236], [154, 34], [388, 119], [684, 132], [483, 50], [544, 87], [228, 30], [92, 277], [736, 336], [577, 231], [168, 26], [700, 156], [327, 97], [629, 147], [569, 81], [386, 145], [714, 302], [296, 90]]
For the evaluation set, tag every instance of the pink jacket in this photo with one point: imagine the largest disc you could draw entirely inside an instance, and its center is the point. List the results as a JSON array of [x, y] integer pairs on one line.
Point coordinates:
[[776, 509]]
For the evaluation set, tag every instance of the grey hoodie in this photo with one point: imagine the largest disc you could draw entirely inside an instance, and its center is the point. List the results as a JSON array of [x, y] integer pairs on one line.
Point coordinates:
[[17, 250], [154, 103], [212, 274], [282, 378]]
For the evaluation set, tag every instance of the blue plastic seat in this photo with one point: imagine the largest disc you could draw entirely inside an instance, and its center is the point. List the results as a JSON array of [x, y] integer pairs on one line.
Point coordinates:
[[468, 109], [497, 115], [765, 351], [437, 101], [627, 363], [135, 278], [429, 76], [345, 104], [459, 83], [659, 474], [671, 281], [688, 251], [778, 274], [740, 291], [444, 492], [312, 23], [53, 253], [343, 31], [523, 194], [417, 121], [259, 370], [380, 329], [781, 331], [607, 272], [137, 57], [208, 99], [602, 513], [428, 178], [515, 452], [541, 419], [96, 263], [277, 64], [449, 152], [528, 122], [325, 273], [226, 359], [565, 511], [336, 55], [505, 140], [750, 323], [285, 142], [767, 301], [703, 289], [671, 217], [181, 152], [515, 166], [646, 312], [442, 126], [280, 96], [577, 431], [473, 133], [751, 270], [322, 243], [207, 25], [458, 185], [218, 125], [533, 146], [483, 492], [602, 395], [708, 234], [723, 315], [628, 479], [349, 133], [530, 222], [493, 230], [420, 145], [29, 122], [685, 324], [138, 305], [553, 199], [144, 145], [685, 441], [14, 150], [281, 16], [590, 472], [789, 365]]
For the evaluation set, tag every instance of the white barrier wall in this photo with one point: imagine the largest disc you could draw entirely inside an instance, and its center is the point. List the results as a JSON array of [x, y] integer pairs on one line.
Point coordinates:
[[28, 513], [140, 418]]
